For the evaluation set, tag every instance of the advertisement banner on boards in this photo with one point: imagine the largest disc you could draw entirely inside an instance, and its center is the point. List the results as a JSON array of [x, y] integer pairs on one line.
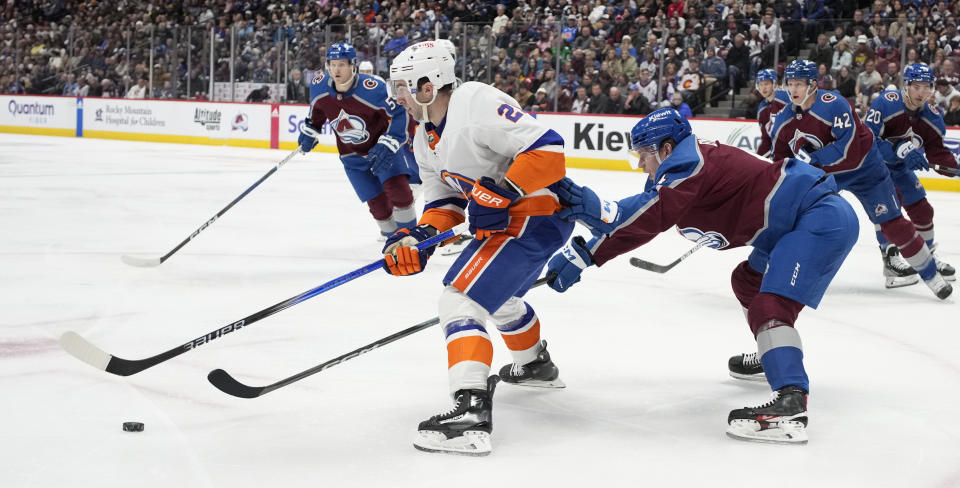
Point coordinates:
[[39, 112], [178, 118]]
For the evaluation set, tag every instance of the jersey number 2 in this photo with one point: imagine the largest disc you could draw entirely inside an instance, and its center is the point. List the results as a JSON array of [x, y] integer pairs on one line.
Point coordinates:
[[510, 113]]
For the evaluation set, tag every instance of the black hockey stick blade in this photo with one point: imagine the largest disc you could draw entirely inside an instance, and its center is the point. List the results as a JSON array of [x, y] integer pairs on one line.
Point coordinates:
[[946, 169], [663, 268], [231, 386]]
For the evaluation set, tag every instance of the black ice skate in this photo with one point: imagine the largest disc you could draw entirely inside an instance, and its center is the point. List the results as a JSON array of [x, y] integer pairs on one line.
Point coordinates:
[[948, 272], [455, 247], [782, 420], [465, 429], [746, 367], [896, 271], [540, 372], [939, 286]]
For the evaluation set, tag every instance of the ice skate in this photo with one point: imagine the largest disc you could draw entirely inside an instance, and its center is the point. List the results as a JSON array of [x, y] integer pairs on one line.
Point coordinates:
[[782, 420], [455, 247], [948, 272], [746, 367], [540, 372], [896, 271], [464, 430], [939, 286]]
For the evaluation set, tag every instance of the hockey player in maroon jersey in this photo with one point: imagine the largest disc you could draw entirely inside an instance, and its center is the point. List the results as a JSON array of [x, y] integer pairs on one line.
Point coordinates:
[[372, 137], [800, 229], [773, 102], [909, 134], [821, 128]]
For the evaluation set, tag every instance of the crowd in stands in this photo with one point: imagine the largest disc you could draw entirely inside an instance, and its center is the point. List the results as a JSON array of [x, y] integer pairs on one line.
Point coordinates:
[[593, 56]]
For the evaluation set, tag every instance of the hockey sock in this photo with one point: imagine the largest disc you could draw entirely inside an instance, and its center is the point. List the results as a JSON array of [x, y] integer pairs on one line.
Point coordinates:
[[398, 191], [914, 250], [380, 207], [469, 354], [921, 214], [771, 319], [746, 283], [522, 333]]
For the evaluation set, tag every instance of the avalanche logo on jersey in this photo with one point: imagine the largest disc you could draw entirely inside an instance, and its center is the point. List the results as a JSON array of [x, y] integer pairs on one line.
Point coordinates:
[[317, 79], [370, 83], [711, 239], [892, 96], [828, 97], [880, 210], [802, 141], [350, 128]]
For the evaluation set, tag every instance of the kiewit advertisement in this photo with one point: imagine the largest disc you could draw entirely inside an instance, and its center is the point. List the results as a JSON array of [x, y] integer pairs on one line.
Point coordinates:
[[177, 121], [602, 142], [54, 116]]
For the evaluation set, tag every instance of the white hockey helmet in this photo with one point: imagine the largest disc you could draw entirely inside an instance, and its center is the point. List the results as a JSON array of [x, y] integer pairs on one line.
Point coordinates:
[[365, 67], [428, 59], [448, 45]]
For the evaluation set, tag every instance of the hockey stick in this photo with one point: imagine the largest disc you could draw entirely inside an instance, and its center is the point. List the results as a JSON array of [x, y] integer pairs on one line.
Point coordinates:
[[661, 268], [229, 385], [83, 350], [152, 262], [946, 169]]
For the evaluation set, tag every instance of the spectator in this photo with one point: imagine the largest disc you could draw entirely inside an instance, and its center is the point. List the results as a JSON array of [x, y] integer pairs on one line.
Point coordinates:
[[867, 82], [892, 79], [738, 63], [540, 101], [581, 102], [944, 94], [822, 53], [108, 89], [615, 103], [636, 103], [846, 84], [524, 97], [598, 101], [139, 90], [952, 117], [842, 58], [714, 70], [678, 104], [297, 89], [824, 81], [259, 95], [862, 53], [648, 87]]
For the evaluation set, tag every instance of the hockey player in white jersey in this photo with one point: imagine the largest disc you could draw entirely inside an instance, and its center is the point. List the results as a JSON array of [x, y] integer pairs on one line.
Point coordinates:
[[486, 161]]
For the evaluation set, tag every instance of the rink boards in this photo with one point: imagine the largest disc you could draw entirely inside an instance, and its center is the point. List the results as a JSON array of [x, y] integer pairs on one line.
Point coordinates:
[[592, 141]]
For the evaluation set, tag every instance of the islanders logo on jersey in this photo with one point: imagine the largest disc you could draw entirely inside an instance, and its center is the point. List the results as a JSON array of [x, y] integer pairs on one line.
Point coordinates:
[[370, 83], [349, 128], [711, 239]]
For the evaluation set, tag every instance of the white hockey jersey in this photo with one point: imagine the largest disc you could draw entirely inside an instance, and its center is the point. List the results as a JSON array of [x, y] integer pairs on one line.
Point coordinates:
[[485, 133]]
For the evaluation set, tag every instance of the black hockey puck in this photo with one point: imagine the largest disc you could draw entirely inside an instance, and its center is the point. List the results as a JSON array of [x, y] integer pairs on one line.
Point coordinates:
[[133, 427]]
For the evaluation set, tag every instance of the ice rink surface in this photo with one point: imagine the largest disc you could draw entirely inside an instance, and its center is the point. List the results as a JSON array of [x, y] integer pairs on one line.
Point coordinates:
[[643, 355]]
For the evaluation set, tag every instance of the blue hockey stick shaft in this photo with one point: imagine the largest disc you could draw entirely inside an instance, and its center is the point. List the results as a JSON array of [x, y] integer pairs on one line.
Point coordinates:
[[83, 350]]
